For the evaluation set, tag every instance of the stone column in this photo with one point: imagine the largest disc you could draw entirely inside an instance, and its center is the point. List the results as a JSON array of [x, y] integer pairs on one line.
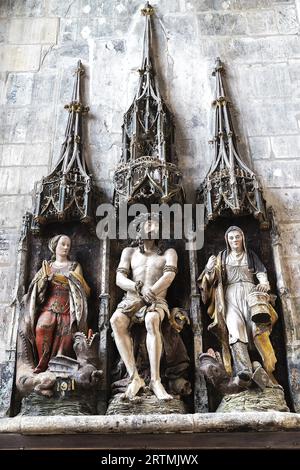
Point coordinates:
[[291, 320], [103, 326], [200, 391], [8, 367]]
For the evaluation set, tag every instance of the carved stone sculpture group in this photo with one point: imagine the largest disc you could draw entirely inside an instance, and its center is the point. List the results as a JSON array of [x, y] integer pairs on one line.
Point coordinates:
[[146, 352], [55, 340]]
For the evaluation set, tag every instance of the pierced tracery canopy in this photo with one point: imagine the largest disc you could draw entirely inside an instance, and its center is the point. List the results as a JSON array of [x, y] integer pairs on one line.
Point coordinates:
[[65, 194], [147, 171], [230, 186]]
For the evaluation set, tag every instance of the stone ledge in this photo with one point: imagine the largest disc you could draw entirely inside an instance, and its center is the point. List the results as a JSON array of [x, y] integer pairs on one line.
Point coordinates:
[[153, 424]]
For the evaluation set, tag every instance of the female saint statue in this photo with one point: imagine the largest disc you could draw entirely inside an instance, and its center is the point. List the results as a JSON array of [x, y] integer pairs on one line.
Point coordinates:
[[235, 285], [55, 307]]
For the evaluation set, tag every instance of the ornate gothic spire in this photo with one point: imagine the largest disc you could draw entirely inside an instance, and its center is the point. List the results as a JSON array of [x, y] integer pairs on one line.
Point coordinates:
[[65, 194], [147, 171], [230, 187]]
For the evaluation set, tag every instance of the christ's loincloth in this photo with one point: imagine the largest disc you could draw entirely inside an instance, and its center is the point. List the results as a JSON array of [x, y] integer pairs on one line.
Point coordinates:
[[138, 315]]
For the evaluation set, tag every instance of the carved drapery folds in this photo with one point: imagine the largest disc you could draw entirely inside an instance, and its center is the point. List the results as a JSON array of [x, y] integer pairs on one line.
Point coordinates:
[[147, 171], [230, 187], [65, 194]]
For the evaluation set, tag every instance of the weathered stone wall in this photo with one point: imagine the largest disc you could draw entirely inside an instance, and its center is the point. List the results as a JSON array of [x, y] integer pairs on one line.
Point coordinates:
[[41, 41]]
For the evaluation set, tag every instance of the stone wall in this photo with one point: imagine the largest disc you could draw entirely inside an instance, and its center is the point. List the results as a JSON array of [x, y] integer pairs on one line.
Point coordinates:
[[41, 40]]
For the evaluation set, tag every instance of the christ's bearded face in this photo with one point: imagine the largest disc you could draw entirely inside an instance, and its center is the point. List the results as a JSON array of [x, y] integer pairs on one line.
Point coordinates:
[[151, 228]]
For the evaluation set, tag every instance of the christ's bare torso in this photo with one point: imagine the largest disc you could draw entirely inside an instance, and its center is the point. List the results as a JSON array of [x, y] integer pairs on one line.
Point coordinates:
[[147, 267]]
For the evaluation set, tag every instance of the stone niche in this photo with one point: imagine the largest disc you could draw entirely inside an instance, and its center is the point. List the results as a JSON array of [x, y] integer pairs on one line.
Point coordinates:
[[178, 296], [85, 250], [261, 243]]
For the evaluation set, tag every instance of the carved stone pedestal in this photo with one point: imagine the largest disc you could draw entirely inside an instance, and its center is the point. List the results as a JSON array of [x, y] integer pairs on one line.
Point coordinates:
[[65, 401], [145, 404], [269, 399]]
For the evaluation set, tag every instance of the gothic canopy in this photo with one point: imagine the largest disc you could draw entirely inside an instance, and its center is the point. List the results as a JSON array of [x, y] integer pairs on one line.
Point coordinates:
[[230, 187], [147, 171], [65, 194]]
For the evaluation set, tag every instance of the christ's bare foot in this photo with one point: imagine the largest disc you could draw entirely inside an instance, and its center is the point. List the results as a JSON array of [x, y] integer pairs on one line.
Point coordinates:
[[133, 388], [157, 387]]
